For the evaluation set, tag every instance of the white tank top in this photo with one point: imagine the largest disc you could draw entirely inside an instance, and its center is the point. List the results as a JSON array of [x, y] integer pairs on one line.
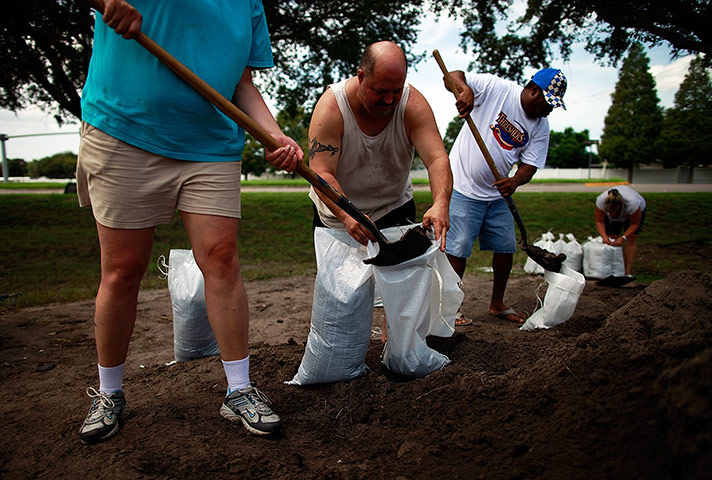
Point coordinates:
[[373, 171]]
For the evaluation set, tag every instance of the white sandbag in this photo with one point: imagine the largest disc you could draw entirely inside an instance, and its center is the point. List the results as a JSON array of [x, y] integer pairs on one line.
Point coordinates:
[[562, 294], [601, 260], [559, 245], [192, 335], [420, 298], [547, 243], [574, 253], [342, 311]]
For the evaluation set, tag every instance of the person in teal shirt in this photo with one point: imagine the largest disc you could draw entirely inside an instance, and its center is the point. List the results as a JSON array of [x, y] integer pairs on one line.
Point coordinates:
[[150, 145]]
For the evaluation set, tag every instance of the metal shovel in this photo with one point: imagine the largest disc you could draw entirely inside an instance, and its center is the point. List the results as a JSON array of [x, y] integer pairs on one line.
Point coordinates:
[[413, 243], [546, 259]]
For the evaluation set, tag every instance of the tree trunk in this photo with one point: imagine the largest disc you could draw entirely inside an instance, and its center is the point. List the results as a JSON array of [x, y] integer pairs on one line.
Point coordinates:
[[630, 174], [690, 173]]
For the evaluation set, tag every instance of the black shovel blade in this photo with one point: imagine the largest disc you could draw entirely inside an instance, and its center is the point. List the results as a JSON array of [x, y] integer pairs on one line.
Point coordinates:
[[614, 282], [413, 244], [549, 261]]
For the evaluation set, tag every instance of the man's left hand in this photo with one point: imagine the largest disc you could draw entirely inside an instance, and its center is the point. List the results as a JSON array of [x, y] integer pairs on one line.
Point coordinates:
[[438, 219], [506, 186]]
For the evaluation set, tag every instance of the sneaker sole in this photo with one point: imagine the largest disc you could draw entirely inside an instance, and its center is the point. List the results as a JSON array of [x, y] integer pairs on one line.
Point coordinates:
[[234, 418]]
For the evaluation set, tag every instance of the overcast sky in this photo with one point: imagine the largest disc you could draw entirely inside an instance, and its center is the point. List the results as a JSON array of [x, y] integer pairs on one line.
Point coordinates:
[[587, 99]]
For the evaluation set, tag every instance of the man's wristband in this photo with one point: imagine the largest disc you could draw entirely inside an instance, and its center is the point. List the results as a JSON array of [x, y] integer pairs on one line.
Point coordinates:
[[625, 238]]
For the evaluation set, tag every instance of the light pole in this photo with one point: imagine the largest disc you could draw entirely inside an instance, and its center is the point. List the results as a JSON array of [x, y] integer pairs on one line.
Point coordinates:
[[5, 169], [589, 144]]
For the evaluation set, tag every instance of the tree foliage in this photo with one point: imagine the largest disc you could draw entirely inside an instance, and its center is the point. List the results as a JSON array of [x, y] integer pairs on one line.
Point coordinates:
[[253, 157], [686, 139], [47, 43], [569, 149], [294, 123], [59, 165], [634, 119], [46, 46], [504, 45], [453, 128], [16, 167], [317, 42]]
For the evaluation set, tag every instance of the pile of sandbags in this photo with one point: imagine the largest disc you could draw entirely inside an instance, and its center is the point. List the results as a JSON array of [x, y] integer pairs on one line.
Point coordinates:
[[566, 244]]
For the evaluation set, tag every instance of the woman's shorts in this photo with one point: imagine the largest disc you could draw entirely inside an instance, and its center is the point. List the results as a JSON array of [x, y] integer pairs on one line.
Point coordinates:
[[130, 188], [489, 220]]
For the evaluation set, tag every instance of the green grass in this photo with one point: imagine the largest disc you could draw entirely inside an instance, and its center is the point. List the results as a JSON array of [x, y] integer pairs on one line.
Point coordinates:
[[49, 250], [32, 185]]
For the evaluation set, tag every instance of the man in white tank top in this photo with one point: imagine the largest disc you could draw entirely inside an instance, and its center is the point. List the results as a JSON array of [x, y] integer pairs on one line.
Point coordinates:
[[362, 138]]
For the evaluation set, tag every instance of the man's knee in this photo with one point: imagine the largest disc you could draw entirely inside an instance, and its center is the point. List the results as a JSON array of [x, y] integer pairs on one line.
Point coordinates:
[[220, 261], [124, 276]]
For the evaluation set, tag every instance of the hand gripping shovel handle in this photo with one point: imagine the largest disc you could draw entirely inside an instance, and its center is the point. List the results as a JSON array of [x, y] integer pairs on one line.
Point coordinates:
[[483, 147], [249, 125]]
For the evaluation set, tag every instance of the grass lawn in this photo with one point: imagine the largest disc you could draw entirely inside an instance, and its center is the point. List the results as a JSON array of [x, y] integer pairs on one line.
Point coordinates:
[[49, 249]]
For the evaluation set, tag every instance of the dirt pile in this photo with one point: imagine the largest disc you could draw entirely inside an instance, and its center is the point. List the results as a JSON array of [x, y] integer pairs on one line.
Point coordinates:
[[621, 390]]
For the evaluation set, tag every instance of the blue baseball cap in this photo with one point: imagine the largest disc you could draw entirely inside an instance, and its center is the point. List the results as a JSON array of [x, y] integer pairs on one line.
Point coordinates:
[[553, 83]]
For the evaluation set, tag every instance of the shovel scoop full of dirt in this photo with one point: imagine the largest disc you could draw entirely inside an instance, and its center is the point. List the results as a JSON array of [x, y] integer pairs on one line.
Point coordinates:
[[413, 244], [548, 260]]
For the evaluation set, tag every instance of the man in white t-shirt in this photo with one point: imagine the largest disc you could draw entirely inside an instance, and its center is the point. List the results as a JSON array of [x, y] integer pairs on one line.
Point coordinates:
[[512, 122]]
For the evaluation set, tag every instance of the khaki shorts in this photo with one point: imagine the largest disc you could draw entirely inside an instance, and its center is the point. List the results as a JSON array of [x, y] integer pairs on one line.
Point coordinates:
[[130, 188]]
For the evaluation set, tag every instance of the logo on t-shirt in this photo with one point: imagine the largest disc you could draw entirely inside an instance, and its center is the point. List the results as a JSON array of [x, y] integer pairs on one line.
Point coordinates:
[[507, 134]]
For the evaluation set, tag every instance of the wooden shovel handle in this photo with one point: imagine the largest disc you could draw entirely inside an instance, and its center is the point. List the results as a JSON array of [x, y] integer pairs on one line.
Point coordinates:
[[227, 107], [468, 119]]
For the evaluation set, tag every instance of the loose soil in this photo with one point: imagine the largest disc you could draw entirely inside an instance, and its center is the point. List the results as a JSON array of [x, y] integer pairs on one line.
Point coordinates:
[[619, 391]]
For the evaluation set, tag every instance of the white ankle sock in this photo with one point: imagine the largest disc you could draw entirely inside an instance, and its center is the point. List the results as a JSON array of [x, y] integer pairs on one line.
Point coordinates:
[[237, 373], [111, 378]]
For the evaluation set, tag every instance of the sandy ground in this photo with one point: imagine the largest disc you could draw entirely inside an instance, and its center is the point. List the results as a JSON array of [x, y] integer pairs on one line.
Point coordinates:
[[620, 391]]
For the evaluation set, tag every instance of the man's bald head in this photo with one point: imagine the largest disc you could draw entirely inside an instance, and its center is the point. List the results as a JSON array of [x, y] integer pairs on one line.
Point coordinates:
[[384, 56]]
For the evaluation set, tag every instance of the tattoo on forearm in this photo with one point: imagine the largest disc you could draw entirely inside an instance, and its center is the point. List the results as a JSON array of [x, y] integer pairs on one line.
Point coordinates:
[[315, 147]]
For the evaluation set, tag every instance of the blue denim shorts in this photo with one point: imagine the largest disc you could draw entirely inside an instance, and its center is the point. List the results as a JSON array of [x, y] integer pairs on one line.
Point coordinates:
[[489, 220]]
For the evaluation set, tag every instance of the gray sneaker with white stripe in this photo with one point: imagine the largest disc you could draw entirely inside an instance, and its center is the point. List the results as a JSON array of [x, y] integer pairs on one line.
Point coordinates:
[[105, 414], [249, 406]]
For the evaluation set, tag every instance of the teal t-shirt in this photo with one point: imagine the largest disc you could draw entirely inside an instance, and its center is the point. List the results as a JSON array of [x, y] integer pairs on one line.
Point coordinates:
[[131, 96]]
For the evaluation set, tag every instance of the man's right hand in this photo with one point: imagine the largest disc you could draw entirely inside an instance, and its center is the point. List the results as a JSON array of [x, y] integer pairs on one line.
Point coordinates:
[[359, 233], [465, 102], [122, 17], [465, 96]]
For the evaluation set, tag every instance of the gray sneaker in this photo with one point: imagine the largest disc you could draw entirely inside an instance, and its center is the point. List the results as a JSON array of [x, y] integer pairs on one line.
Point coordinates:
[[249, 405], [104, 415]]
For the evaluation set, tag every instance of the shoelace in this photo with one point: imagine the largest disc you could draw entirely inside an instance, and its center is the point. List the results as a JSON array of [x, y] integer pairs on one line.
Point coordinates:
[[255, 393], [100, 398]]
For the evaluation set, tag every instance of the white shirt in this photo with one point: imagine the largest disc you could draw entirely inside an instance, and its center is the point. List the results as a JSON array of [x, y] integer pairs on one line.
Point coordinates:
[[632, 201], [510, 136]]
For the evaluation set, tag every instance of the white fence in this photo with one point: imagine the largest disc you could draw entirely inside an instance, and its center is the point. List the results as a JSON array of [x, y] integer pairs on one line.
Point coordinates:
[[640, 175]]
